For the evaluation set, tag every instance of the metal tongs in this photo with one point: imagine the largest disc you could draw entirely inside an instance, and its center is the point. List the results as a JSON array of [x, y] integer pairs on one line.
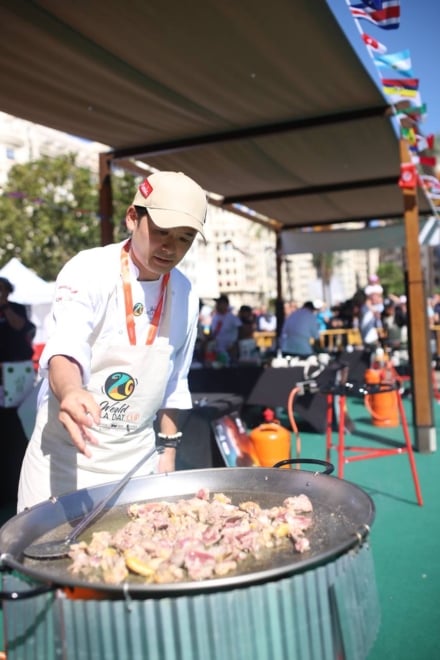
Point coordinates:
[[57, 549]]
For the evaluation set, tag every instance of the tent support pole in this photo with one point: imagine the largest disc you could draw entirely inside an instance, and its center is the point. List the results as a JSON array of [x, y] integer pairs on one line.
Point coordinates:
[[105, 198], [279, 312], [418, 331]]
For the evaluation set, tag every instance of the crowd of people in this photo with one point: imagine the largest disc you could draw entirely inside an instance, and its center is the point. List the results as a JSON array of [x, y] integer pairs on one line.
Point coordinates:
[[227, 335]]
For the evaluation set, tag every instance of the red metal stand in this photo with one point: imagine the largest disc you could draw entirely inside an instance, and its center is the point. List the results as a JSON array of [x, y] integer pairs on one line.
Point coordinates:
[[365, 453]]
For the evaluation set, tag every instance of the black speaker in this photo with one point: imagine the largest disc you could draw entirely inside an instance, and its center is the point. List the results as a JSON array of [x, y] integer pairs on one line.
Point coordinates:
[[198, 447]]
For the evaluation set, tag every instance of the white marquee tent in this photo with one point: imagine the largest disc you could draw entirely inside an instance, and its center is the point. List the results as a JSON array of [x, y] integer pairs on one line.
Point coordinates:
[[32, 291]]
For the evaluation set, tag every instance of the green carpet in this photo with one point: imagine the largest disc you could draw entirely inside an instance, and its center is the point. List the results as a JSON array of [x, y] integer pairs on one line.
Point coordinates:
[[405, 537]]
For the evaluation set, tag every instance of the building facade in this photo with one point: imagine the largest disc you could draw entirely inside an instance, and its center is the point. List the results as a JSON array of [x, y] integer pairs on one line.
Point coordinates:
[[239, 256]]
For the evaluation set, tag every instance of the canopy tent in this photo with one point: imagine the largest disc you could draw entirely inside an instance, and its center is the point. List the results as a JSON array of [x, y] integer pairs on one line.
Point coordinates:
[[337, 240], [32, 291], [29, 289], [264, 104]]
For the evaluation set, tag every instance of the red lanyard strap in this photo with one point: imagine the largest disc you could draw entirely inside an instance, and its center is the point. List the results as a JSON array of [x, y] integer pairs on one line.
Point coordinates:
[[128, 299]]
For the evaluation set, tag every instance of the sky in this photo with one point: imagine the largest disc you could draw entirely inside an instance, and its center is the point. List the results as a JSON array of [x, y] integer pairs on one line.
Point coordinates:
[[418, 32]]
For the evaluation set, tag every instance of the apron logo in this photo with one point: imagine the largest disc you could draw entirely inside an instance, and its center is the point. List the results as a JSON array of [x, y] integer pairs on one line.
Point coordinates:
[[138, 309], [119, 386]]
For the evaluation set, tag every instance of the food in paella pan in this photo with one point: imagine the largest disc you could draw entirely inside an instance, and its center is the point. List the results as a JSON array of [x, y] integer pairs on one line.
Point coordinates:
[[199, 538]]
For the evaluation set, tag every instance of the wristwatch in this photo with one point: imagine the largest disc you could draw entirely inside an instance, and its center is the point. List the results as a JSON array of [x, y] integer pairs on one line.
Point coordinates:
[[163, 440]]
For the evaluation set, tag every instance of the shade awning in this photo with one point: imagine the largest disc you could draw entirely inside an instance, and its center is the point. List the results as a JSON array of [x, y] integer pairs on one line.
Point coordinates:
[[264, 104]]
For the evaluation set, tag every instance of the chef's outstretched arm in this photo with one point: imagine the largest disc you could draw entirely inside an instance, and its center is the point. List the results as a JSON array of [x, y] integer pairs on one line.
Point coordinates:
[[79, 411]]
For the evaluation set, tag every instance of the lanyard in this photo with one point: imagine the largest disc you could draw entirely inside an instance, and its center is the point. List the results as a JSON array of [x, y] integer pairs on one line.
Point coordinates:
[[128, 299]]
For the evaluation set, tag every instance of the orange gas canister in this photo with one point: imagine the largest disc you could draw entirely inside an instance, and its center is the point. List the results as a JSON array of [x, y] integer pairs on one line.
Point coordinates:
[[272, 441], [382, 405]]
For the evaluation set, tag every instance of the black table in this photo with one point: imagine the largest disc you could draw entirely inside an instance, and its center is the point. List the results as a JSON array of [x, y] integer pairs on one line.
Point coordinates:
[[236, 380], [275, 385], [266, 387]]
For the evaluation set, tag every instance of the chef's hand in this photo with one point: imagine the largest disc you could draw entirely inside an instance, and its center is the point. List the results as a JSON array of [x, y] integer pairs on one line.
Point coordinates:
[[79, 412], [167, 460]]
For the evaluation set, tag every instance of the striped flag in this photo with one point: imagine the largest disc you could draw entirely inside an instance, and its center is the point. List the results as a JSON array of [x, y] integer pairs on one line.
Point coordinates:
[[400, 62], [409, 134], [429, 161], [401, 88], [426, 142], [373, 43], [411, 111], [404, 83], [387, 17], [431, 184]]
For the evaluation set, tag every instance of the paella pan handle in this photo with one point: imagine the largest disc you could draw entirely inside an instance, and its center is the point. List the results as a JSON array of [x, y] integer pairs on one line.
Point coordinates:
[[329, 467], [6, 565]]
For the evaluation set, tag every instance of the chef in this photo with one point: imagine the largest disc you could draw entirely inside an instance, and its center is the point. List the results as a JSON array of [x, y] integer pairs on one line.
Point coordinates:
[[117, 358]]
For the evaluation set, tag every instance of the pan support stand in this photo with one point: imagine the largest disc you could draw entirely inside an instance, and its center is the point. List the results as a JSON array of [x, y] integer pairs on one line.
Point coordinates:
[[340, 393]]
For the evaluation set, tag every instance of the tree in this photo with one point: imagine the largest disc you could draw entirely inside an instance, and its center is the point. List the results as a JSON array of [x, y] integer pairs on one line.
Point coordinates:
[[325, 263], [49, 212], [392, 278]]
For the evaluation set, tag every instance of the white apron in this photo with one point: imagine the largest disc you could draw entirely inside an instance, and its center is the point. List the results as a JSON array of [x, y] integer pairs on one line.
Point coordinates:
[[128, 383]]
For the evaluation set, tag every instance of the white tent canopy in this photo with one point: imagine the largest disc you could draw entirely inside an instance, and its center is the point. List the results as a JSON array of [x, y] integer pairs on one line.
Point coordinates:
[[336, 240], [29, 289], [32, 291]]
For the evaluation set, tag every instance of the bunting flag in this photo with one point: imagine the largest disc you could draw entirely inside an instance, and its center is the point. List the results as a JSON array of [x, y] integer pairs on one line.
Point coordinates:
[[429, 161], [411, 111], [425, 142], [431, 184], [376, 4], [387, 17], [400, 62], [373, 43], [410, 84], [398, 89], [402, 92], [408, 176], [409, 134]]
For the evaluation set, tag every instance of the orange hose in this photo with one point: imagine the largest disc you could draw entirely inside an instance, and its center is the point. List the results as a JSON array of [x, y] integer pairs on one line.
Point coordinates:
[[292, 421]]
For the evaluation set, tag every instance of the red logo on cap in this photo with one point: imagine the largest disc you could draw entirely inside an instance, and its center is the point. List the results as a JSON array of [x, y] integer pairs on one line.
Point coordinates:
[[145, 188]]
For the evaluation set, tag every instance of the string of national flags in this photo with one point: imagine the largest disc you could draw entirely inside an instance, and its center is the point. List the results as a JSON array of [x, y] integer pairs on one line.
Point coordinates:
[[401, 88]]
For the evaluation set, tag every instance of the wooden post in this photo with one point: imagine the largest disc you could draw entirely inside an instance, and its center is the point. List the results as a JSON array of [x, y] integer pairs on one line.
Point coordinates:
[[418, 332], [105, 198], [279, 312]]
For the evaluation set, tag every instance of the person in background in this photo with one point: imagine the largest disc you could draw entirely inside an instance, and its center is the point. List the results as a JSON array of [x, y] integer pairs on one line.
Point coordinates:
[[16, 334], [247, 346], [200, 345], [370, 315], [289, 307], [436, 308], [16, 330], [300, 332], [393, 333], [267, 321], [248, 323], [224, 329], [430, 312], [323, 314], [115, 365], [401, 315]]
